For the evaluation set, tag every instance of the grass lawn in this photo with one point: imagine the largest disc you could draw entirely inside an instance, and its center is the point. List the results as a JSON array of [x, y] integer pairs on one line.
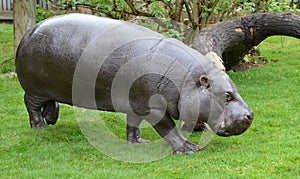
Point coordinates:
[[269, 149], [6, 48]]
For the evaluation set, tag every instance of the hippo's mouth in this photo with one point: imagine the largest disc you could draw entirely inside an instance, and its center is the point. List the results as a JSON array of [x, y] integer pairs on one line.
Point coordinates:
[[192, 126], [236, 127], [224, 129], [224, 133]]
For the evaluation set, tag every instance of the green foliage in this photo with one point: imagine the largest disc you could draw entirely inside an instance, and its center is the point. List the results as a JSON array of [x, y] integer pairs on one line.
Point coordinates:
[[268, 6], [165, 26], [42, 14], [65, 3], [281, 6], [206, 11], [105, 6], [249, 7], [225, 10], [164, 8], [194, 18], [157, 9]]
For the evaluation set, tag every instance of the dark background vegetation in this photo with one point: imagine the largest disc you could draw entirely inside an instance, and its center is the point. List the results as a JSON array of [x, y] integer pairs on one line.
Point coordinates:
[[181, 19]]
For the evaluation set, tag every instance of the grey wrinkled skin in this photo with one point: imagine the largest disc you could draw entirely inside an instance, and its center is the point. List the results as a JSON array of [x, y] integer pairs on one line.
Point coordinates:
[[49, 53]]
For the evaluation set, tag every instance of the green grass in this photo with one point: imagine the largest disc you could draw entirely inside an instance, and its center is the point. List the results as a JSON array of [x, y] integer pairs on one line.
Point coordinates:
[[6, 48], [269, 149]]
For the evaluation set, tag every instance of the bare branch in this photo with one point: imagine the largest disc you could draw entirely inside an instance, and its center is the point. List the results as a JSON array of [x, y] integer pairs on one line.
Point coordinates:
[[188, 10], [195, 14], [133, 9], [178, 10]]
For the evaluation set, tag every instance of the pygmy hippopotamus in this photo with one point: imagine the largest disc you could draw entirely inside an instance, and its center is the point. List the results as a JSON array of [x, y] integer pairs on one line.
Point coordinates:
[[112, 65]]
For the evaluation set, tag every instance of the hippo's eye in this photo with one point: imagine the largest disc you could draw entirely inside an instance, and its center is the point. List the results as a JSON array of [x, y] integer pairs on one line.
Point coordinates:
[[228, 97]]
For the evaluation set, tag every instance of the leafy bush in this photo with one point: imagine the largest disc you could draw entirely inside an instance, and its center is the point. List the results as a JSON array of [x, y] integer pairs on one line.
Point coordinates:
[[268, 6], [42, 14]]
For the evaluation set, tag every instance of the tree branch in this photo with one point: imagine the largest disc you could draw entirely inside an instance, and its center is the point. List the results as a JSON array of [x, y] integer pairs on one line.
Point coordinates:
[[195, 14], [232, 39], [135, 11], [178, 10], [131, 6], [188, 10]]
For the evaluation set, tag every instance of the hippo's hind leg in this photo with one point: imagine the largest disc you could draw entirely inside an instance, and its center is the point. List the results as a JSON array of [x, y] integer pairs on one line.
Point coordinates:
[[34, 105], [168, 130], [133, 130], [50, 112]]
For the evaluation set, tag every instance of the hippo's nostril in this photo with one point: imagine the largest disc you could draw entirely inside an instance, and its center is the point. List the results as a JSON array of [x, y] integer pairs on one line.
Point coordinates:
[[250, 116]]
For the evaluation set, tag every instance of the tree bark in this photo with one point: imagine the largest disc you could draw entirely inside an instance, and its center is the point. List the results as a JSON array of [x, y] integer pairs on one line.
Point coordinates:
[[178, 10], [195, 15], [24, 18], [232, 39]]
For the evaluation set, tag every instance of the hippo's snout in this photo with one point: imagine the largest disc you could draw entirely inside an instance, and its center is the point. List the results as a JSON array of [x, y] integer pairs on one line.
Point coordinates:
[[236, 127]]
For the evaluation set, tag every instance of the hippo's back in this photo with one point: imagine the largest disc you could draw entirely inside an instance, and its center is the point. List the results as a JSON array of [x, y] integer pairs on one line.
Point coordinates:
[[62, 38], [47, 55]]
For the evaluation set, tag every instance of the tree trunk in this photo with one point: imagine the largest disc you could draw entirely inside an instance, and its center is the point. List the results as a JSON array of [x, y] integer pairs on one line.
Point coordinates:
[[24, 18], [232, 39]]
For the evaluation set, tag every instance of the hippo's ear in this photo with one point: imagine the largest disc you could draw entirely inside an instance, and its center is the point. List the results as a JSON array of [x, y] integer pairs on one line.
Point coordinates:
[[204, 81]]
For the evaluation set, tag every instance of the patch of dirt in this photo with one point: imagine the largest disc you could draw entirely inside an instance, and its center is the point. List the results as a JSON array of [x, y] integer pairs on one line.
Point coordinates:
[[254, 61]]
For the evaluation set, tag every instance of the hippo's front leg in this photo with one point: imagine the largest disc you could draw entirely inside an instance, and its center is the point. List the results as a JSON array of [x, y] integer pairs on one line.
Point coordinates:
[[168, 130], [133, 130]]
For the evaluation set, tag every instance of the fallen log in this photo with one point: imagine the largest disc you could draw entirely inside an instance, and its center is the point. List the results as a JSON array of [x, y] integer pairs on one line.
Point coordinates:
[[231, 40]]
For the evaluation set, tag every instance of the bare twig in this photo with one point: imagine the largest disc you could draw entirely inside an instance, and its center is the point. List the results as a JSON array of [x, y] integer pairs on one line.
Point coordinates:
[[5, 61]]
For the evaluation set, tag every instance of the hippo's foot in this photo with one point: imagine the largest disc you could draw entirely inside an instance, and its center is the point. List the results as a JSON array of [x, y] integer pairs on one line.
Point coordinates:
[[137, 140], [50, 112], [38, 125], [187, 148], [34, 105], [133, 135], [133, 130], [180, 144], [168, 130]]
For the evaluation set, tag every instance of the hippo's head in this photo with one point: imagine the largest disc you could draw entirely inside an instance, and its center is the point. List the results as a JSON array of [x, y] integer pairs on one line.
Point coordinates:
[[237, 116], [221, 107]]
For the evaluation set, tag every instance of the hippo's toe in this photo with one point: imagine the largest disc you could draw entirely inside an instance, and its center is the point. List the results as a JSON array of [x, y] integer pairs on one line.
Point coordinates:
[[188, 148], [137, 140]]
